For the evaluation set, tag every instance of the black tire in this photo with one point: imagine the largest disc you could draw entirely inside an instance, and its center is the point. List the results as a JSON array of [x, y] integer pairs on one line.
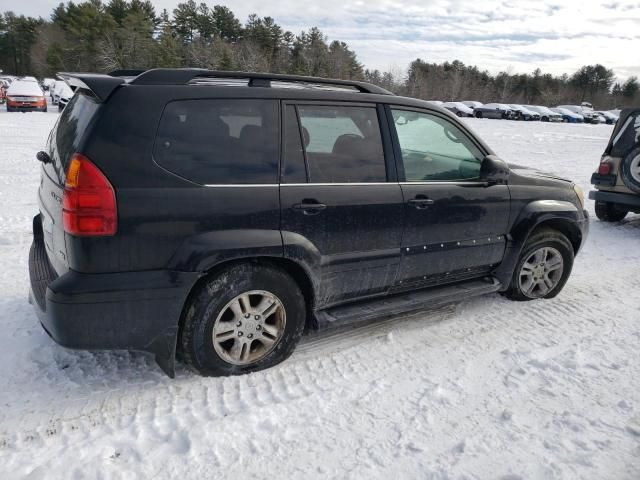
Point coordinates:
[[460, 114], [544, 119], [478, 114], [545, 237], [625, 171], [204, 306], [610, 212], [60, 108]]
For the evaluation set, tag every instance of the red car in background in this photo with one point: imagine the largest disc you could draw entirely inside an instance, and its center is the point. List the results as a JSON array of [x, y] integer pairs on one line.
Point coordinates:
[[25, 96]]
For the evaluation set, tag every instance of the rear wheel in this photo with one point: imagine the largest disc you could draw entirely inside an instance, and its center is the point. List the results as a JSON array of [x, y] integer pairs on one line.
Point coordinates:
[[478, 114], [543, 268], [246, 318], [610, 212], [460, 114]]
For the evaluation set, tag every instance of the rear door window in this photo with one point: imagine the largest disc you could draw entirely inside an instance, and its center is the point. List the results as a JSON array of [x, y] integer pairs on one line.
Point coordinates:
[[222, 141], [342, 144]]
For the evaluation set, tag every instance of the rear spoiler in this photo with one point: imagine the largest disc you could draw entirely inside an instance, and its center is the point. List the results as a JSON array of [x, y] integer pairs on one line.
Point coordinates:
[[100, 85]]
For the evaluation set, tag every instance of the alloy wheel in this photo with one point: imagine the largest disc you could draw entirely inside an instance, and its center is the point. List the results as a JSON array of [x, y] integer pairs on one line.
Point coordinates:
[[541, 272], [249, 327]]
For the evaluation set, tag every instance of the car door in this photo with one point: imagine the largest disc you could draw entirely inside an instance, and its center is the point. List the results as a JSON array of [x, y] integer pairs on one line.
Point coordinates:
[[455, 224], [342, 207]]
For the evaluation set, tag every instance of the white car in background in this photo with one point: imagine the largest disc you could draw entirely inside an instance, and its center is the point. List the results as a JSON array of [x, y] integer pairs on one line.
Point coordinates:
[[47, 83], [472, 104], [546, 114], [64, 94], [55, 91], [458, 108], [523, 113]]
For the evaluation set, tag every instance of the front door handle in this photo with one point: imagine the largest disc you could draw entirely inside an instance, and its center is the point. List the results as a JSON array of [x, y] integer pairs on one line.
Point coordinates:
[[309, 207], [421, 202]]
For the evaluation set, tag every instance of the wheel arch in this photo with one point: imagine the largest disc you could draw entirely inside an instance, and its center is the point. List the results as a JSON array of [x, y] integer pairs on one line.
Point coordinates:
[[561, 216], [293, 269], [568, 228]]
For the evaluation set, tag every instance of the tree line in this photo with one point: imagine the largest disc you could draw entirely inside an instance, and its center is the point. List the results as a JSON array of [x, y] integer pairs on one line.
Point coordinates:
[[99, 36]]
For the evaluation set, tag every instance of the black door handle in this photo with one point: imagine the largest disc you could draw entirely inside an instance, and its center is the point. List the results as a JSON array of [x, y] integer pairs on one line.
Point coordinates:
[[421, 202], [309, 207]]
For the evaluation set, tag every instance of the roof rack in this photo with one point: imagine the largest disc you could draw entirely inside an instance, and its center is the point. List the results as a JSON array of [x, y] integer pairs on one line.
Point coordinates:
[[182, 76]]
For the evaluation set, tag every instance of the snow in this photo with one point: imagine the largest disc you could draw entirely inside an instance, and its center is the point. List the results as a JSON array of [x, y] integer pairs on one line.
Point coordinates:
[[24, 87], [487, 388]]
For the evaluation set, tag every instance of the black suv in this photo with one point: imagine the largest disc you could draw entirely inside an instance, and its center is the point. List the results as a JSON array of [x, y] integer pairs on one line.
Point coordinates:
[[216, 215]]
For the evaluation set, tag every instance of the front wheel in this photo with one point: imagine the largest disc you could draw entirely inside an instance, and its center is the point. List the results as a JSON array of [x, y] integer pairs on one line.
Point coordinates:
[[478, 114], [609, 212], [246, 318], [543, 268]]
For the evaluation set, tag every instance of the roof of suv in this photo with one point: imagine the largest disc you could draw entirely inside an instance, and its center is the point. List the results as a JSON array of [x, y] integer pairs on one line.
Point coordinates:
[[103, 85]]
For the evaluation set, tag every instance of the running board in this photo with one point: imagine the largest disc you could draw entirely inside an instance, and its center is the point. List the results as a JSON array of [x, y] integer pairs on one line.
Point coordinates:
[[375, 310]]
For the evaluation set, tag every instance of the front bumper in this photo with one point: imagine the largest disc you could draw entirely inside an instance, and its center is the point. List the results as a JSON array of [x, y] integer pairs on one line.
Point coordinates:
[[26, 107], [112, 311], [628, 200]]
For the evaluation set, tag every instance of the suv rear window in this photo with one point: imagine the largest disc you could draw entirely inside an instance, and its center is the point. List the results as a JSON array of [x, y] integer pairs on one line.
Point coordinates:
[[69, 131], [220, 141]]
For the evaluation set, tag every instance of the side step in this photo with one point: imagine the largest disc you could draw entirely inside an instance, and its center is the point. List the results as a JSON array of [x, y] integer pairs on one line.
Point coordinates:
[[369, 311]]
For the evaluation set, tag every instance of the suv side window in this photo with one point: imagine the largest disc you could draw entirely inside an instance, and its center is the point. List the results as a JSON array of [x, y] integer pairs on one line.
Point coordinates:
[[434, 149], [342, 144], [222, 141]]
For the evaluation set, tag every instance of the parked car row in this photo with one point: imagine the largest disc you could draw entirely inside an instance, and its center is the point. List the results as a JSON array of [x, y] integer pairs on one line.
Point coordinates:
[[583, 113]]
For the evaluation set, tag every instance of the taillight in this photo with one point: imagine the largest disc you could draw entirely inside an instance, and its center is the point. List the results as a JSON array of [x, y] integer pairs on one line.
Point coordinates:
[[89, 201], [604, 168]]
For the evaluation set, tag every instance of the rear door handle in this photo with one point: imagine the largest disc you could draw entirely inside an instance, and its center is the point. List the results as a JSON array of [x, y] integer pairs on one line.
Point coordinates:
[[420, 202], [309, 207]]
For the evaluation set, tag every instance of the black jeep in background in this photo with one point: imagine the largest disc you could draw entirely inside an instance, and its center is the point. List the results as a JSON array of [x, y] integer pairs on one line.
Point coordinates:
[[222, 213]]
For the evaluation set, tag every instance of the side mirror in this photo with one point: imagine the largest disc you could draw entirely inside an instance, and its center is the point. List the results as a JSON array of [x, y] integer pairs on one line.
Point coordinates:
[[493, 170]]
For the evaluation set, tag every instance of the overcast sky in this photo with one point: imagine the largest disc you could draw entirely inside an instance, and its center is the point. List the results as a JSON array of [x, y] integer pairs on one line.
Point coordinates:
[[557, 36]]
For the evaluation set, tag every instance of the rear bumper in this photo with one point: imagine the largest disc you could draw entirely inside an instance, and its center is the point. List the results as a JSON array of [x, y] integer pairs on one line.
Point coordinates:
[[631, 201], [114, 311]]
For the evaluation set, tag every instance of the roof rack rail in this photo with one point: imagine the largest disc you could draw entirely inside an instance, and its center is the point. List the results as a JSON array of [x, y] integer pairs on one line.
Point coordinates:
[[182, 76]]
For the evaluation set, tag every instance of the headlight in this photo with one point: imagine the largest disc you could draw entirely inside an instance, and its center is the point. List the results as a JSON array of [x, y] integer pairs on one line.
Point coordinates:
[[579, 193]]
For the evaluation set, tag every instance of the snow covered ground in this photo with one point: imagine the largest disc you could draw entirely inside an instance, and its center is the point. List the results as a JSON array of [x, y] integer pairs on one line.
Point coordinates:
[[486, 389]]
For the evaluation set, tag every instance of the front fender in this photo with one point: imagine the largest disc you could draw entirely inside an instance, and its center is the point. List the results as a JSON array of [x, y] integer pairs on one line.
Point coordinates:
[[558, 212], [204, 251]]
